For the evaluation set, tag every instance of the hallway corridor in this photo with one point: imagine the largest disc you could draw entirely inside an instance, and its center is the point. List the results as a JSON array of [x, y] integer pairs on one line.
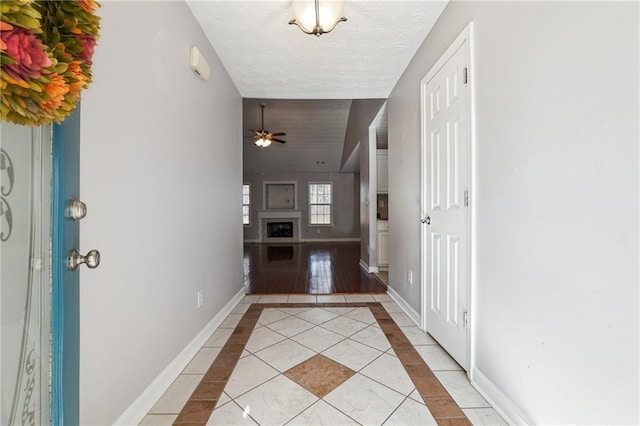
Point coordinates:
[[307, 268], [321, 360]]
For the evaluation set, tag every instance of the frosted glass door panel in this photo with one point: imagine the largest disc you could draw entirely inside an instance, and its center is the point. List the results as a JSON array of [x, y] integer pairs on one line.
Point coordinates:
[[25, 300]]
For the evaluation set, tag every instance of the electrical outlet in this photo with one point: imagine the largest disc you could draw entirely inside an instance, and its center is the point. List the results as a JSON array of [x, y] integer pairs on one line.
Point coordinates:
[[200, 296], [317, 231], [410, 276]]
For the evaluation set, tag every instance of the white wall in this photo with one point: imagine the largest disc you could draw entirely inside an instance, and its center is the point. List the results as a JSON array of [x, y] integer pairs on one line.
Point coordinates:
[[556, 283], [161, 173]]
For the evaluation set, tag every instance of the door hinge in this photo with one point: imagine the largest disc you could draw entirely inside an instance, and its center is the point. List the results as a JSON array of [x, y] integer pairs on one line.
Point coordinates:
[[466, 197], [465, 77], [465, 319]]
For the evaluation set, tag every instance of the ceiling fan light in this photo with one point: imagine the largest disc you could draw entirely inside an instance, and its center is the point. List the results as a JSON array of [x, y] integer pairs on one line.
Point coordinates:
[[262, 142], [328, 16]]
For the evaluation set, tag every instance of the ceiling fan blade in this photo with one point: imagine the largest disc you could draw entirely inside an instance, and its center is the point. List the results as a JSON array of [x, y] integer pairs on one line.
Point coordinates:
[[278, 134], [278, 140]]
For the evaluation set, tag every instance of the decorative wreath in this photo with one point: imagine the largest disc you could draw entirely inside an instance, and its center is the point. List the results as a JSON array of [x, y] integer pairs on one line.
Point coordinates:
[[45, 50]]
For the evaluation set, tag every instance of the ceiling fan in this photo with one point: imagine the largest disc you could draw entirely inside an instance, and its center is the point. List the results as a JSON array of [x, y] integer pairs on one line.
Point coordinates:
[[262, 137]]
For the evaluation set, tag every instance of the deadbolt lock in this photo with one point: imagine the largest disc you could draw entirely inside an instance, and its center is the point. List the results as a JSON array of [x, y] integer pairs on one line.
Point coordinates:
[[75, 210]]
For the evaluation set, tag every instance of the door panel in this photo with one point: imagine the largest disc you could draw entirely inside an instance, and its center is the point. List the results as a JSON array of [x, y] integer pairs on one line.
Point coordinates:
[[453, 166], [65, 292], [435, 283], [434, 155], [445, 111]]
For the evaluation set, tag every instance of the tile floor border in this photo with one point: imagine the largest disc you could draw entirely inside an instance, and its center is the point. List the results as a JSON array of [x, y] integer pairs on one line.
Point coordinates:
[[204, 398]]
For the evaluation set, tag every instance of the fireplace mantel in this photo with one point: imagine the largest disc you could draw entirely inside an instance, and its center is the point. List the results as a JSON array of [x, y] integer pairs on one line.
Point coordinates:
[[280, 214], [267, 216]]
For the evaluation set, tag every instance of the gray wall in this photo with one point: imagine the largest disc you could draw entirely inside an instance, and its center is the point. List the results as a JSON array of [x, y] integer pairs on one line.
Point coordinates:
[[361, 114], [555, 317], [161, 175], [346, 216]]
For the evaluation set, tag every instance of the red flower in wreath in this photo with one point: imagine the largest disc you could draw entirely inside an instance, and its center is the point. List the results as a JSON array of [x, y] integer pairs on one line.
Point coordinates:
[[88, 44], [28, 53]]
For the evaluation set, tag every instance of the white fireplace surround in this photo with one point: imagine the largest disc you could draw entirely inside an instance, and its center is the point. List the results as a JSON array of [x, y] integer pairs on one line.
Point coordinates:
[[266, 217]]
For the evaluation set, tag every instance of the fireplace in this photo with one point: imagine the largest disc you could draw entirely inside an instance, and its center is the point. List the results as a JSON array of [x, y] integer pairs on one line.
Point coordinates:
[[279, 227], [280, 230]]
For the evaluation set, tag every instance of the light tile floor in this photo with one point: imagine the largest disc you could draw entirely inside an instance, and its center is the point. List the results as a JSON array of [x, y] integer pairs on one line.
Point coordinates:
[[373, 389]]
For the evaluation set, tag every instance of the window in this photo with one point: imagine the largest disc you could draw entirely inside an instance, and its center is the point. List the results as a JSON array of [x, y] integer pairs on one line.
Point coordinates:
[[246, 203], [320, 203]]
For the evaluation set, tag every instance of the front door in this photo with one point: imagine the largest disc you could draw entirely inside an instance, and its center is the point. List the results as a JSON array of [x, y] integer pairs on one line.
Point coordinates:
[[445, 185], [66, 213], [39, 312]]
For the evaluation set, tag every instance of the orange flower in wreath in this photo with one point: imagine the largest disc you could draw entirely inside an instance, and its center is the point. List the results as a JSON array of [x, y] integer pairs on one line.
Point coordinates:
[[89, 6], [4, 26], [75, 72], [56, 89]]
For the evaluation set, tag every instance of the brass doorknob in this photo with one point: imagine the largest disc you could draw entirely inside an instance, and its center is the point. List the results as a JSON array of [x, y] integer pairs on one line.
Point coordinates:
[[92, 259]]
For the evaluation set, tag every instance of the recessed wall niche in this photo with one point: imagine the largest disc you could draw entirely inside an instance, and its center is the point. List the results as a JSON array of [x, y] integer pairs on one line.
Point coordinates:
[[280, 196]]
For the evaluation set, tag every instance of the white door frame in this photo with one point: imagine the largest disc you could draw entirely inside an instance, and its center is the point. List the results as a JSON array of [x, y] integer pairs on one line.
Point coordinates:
[[465, 36]]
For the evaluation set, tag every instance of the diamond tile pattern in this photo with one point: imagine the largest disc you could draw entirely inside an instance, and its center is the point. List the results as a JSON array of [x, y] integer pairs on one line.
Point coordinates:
[[325, 363], [320, 375]]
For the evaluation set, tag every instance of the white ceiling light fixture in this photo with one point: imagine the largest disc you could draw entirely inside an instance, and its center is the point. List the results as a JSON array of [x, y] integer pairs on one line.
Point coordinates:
[[315, 17], [262, 143]]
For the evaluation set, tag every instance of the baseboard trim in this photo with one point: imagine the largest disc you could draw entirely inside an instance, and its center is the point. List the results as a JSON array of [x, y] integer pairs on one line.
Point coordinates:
[[134, 414], [309, 240], [411, 313], [509, 411], [364, 265], [330, 240], [368, 269]]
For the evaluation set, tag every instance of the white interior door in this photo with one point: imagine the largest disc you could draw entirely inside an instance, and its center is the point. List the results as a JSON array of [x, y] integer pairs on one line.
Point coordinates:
[[445, 184]]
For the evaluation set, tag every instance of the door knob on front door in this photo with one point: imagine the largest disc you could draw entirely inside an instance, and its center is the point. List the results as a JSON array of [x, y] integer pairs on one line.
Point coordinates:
[[92, 259], [426, 220]]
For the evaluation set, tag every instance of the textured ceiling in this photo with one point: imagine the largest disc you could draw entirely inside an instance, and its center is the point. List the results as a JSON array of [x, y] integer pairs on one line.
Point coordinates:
[[308, 82], [315, 135], [361, 58]]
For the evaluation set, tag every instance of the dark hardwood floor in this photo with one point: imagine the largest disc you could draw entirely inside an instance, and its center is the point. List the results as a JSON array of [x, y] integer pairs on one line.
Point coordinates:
[[306, 268]]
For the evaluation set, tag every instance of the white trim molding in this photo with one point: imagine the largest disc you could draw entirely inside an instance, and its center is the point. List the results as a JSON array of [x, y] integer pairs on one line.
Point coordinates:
[[134, 414], [368, 269], [311, 240], [411, 313], [330, 240], [281, 214], [499, 400]]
